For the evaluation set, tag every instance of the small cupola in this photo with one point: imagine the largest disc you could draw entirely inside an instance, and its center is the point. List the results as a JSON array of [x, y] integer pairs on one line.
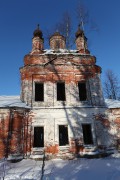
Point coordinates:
[[81, 41], [38, 33], [57, 41], [37, 41]]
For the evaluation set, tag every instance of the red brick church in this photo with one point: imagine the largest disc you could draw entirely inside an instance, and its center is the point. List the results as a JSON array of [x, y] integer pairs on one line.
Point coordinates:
[[61, 111]]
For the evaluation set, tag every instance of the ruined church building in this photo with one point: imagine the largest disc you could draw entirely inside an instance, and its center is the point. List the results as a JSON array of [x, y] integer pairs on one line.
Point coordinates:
[[61, 111]]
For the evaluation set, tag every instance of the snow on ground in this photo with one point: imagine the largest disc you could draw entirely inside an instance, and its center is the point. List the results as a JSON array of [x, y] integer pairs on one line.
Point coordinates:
[[78, 169]]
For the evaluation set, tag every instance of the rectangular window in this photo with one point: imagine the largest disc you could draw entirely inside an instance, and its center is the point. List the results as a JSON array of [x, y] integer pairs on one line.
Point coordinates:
[[82, 91], [57, 44], [61, 91], [38, 137], [63, 135], [87, 134], [39, 92]]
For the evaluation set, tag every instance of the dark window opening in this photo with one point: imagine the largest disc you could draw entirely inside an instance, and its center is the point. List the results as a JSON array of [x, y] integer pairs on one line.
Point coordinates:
[[63, 135], [87, 134], [61, 91], [82, 91], [57, 45], [39, 92], [38, 137]]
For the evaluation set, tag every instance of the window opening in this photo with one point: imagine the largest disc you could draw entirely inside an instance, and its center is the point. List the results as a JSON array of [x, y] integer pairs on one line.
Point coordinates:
[[87, 134], [61, 91], [63, 135], [39, 92], [38, 137], [82, 91], [57, 44]]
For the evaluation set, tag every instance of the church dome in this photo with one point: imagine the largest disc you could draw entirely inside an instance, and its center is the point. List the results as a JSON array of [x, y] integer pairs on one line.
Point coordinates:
[[57, 34], [79, 32], [57, 41], [38, 33]]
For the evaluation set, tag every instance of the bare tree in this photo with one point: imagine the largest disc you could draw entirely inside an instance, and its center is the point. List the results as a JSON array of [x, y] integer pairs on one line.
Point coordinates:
[[65, 28], [82, 14], [111, 85]]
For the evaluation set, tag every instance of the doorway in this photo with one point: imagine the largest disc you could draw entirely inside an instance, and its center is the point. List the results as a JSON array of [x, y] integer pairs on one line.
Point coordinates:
[[87, 134], [38, 137]]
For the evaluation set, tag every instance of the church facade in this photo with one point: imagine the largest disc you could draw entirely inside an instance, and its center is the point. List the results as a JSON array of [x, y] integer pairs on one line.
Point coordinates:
[[61, 111]]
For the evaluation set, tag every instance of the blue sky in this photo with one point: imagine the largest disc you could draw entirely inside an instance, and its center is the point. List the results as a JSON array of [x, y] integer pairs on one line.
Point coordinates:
[[18, 20]]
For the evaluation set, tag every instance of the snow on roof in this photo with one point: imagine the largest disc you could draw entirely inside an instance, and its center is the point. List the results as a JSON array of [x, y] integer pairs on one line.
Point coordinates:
[[12, 101], [62, 51], [111, 103], [59, 51]]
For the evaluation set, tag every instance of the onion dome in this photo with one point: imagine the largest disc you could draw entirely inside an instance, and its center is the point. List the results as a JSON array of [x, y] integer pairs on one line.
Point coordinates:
[[79, 32], [57, 41], [57, 34], [38, 33]]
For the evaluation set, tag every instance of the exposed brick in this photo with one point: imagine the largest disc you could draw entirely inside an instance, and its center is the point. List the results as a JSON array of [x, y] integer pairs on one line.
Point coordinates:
[[17, 124], [52, 149]]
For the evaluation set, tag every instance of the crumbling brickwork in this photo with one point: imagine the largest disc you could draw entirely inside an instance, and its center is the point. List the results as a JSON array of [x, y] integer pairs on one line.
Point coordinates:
[[70, 67], [13, 132], [65, 68], [63, 112], [114, 118]]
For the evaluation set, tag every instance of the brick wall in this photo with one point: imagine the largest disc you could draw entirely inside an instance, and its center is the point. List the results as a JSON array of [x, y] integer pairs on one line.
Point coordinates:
[[62, 68], [114, 118], [13, 132]]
